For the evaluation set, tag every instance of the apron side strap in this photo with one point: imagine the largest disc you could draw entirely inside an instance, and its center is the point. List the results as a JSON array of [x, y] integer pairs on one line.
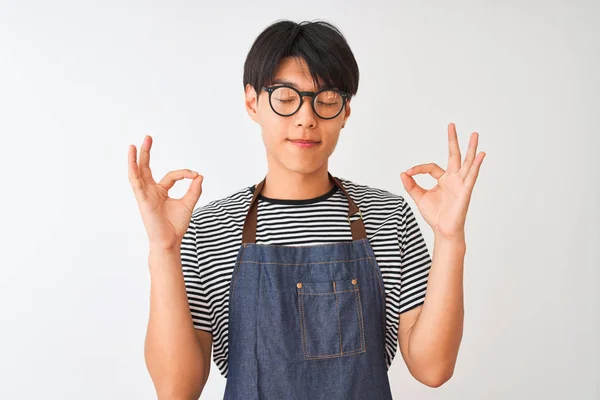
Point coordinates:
[[249, 232], [357, 227]]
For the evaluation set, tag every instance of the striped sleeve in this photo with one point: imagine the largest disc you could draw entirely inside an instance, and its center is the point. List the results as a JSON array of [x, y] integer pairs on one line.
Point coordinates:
[[415, 261], [194, 287]]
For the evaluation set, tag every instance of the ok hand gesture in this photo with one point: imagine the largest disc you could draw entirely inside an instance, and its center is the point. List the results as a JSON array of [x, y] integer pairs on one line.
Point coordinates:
[[444, 207], [166, 220]]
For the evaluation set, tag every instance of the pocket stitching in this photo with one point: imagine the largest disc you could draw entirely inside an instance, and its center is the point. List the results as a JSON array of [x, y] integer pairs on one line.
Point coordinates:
[[337, 311], [303, 328], [360, 316]]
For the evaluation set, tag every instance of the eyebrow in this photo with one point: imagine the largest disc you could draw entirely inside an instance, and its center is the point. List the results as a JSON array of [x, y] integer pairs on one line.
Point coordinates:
[[288, 83]]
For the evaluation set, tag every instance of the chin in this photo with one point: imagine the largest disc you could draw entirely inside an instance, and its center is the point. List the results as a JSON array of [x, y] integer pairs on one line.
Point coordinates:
[[303, 167]]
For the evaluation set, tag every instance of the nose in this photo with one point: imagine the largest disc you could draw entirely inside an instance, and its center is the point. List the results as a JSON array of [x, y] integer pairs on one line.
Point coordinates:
[[305, 116]]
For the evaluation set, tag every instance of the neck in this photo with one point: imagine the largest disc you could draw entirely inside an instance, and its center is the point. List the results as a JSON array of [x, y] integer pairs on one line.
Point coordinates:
[[284, 184]]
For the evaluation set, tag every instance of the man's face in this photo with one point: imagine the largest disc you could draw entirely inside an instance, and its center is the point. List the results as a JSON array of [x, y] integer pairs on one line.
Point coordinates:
[[283, 136]]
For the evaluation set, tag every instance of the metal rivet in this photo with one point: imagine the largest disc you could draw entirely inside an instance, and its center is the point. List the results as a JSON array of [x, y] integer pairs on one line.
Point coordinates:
[[299, 285], [354, 281]]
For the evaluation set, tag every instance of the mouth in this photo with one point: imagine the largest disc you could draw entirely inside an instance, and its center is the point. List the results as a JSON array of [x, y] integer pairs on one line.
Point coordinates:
[[304, 144]]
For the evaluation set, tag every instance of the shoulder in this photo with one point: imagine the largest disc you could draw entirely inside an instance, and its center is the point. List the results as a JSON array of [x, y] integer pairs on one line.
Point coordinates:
[[369, 196], [228, 207]]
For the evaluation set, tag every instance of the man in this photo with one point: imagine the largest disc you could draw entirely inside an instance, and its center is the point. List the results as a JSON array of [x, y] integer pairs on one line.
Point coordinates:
[[304, 283]]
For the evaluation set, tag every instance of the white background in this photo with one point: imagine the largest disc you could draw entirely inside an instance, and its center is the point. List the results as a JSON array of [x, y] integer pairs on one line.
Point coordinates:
[[80, 81]]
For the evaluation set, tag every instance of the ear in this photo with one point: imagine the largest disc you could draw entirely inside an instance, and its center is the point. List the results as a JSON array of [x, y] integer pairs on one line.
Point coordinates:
[[251, 102], [347, 112]]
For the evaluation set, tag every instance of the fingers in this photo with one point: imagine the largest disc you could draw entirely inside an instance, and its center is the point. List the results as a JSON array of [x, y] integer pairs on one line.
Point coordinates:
[[194, 191], [453, 149], [474, 170], [132, 169], [173, 176], [193, 194], [412, 188], [432, 169], [471, 151], [144, 164]]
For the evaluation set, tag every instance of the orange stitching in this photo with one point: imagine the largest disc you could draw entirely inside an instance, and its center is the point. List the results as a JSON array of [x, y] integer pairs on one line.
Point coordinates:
[[308, 263], [303, 329], [361, 349], [237, 273], [358, 313], [376, 277], [350, 353], [318, 294], [338, 315], [361, 317]]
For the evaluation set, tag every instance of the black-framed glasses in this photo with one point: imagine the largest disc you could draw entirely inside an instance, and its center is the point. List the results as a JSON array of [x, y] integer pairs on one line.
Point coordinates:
[[287, 100]]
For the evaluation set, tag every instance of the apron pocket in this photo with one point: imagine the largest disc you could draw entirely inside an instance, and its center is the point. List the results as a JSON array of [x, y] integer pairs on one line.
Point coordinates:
[[331, 319]]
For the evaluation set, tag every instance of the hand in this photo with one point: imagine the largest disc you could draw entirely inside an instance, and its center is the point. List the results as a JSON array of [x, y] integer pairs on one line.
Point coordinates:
[[445, 206], [166, 219]]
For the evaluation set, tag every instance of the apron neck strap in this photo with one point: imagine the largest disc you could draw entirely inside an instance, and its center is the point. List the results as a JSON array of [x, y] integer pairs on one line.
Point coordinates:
[[357, 227]]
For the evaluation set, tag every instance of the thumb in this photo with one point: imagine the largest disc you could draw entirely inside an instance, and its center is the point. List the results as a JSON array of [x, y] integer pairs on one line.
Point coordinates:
[[412, 188], [193, 193]]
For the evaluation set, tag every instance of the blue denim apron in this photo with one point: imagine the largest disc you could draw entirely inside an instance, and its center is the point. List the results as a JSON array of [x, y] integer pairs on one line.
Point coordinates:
[[306, 322]]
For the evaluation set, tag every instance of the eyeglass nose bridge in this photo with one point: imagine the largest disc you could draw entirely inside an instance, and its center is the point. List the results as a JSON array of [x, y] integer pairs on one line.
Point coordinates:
[[310, 94], [312, 101]]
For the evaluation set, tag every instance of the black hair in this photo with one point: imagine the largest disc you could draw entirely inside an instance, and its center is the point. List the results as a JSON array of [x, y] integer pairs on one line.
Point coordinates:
[[320, 44]]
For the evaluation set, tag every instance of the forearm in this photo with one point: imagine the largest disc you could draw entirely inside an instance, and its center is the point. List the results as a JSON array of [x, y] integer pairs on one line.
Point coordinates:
[[173, 353], [435, 337]]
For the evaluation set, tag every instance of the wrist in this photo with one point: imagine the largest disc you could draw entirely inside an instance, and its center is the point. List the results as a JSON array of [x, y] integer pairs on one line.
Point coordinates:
[[449, 237], [159, 257], [165, 247], [457, 242]]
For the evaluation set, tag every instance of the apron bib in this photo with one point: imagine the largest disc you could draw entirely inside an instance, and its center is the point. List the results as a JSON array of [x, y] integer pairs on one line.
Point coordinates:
[[306, 322]]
